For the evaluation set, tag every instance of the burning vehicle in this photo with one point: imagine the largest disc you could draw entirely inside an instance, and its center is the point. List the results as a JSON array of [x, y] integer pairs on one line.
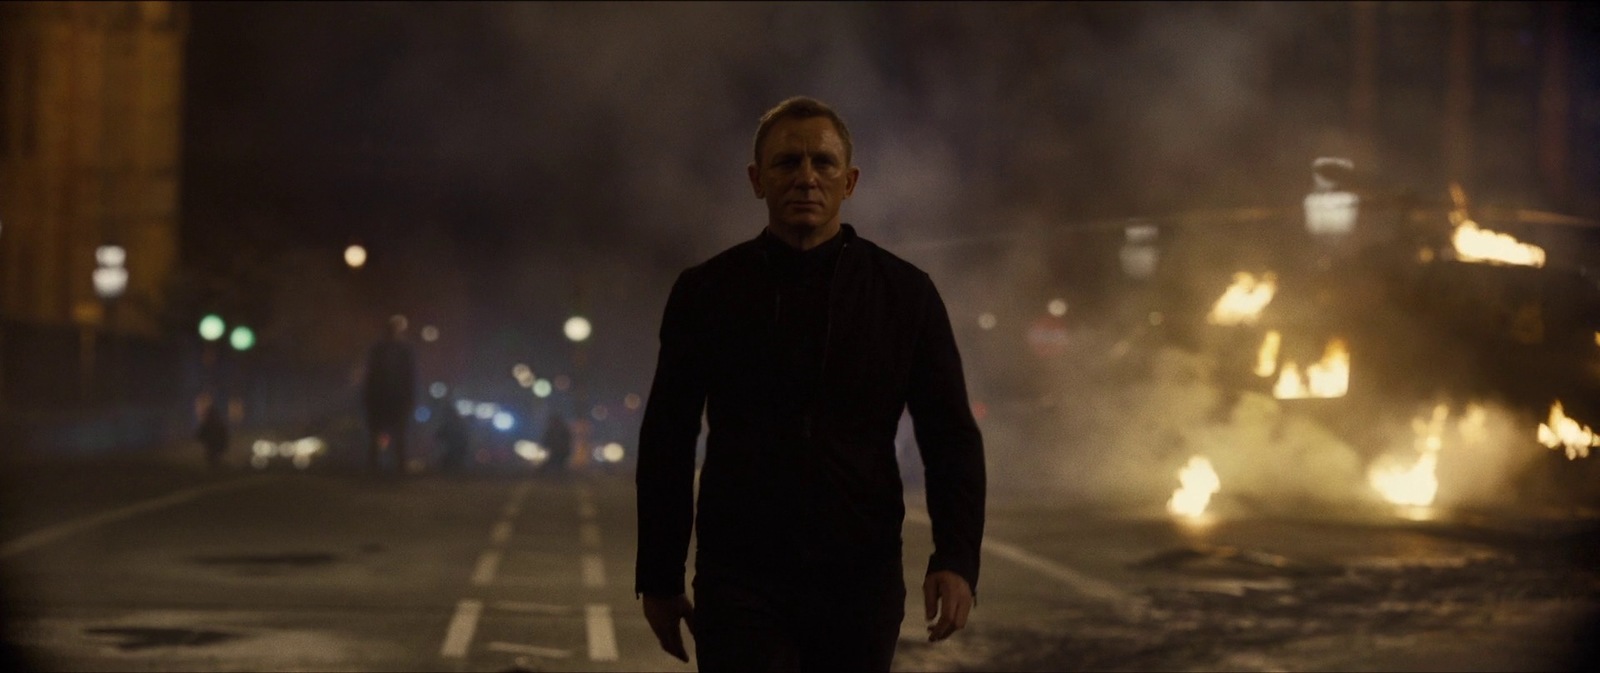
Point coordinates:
[[1424, 336]]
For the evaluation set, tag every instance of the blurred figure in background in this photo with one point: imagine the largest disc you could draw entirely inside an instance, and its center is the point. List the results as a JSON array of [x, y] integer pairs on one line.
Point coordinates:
[[389, 394], [453, 440], [213, 431], [558, 441]]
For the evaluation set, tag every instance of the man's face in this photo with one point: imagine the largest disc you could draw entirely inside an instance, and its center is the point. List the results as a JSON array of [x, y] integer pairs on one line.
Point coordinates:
[[803, 175]]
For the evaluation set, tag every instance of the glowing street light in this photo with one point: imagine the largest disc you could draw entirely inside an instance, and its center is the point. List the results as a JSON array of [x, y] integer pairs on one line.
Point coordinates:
[[577, 328], [242, 338], [355, 256], [212, 327], [541, 388], [110, 255], [503, 421], [110, 277]]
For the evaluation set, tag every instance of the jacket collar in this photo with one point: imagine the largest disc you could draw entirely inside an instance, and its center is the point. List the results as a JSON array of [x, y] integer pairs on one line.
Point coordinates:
[[770, 246]]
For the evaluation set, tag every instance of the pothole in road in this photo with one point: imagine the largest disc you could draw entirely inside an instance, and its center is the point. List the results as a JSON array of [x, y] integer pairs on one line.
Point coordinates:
[[136, 638]]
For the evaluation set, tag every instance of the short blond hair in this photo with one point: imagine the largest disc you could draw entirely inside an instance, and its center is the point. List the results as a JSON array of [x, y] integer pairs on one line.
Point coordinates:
[[801, 107]]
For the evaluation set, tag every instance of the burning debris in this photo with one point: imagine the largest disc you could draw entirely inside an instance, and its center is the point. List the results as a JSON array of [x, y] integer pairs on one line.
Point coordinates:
[[1326, 378], [1484, 246], [1267, 357], [1560, 431], [1243, 301], [1198, 482], [1415, 485]]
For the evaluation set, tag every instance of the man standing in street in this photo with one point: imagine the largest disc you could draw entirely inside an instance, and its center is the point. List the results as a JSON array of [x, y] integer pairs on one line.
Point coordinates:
[[389, 394], [803, 347]]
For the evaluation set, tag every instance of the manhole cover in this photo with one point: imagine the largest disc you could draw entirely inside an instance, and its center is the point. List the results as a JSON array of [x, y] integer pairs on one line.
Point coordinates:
[[135, 638]]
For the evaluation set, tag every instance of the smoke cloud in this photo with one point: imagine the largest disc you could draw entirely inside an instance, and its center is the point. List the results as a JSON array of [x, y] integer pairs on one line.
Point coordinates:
[[539, 159]]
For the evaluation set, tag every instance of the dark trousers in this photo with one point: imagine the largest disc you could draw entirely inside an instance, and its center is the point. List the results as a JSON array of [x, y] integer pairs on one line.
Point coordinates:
[[396, 431], [792, 625]]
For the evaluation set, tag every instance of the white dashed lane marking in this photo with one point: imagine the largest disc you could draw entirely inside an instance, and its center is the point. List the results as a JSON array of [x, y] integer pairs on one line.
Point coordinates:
[[598, 626], [594, 571], [459, 636], [602, 633], [488, 565]]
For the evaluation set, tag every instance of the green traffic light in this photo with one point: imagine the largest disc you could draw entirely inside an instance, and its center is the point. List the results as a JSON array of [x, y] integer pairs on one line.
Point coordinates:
[[242, 338], [212, 327]]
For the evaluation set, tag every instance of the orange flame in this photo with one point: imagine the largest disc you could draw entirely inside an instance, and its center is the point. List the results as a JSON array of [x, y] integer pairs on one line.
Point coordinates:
[[1243, 301], [1415, 485], [1267, 357], [1563, 432], [1474, 244], [1328, 377], [1198, 481], [1479, 245]]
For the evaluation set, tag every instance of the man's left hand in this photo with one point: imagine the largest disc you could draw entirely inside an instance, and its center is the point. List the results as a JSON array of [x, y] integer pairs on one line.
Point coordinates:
[[947, 596]]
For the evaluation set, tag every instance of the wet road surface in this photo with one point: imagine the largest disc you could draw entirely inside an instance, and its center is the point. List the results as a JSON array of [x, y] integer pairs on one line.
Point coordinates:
[[159, 565]]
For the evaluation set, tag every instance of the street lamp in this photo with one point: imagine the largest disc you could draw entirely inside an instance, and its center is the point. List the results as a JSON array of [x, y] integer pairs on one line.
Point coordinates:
[[242, 338], [355, 256], [577, 329], [110, 277], [212, 327]]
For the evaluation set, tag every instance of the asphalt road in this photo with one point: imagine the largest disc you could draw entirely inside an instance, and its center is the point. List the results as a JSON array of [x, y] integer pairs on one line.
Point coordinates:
[[158, 565]]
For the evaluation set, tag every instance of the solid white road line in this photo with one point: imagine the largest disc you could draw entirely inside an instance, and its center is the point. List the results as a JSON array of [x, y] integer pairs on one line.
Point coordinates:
[[502, 532], [488, 563], [589, 536], [534, 608], [594, 571], [46, 536], [531, 650], [1100, 590], [459, 636], [602, 634]]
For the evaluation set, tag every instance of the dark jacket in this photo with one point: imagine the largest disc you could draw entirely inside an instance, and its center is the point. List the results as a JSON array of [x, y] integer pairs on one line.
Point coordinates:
[[814, 487], [390, 387]]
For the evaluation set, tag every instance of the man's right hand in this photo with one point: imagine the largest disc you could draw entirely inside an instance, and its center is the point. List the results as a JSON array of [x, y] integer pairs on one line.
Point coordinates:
[[663, 613]]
